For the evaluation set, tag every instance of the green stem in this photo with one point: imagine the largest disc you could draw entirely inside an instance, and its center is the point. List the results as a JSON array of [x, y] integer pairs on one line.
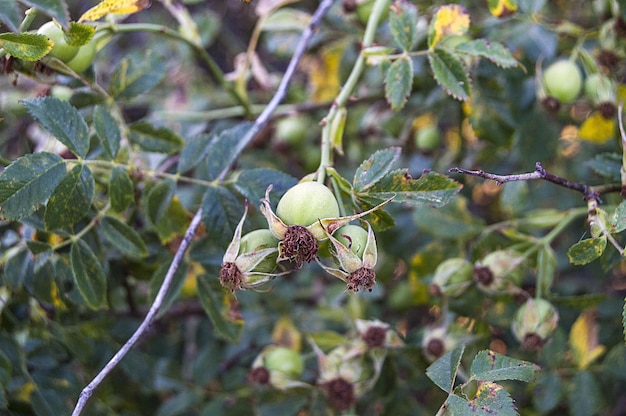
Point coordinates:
[[85, 229], [30, 15], [380, 6]]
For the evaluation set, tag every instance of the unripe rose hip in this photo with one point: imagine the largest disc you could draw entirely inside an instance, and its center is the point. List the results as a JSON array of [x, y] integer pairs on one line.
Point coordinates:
[[306, 203]]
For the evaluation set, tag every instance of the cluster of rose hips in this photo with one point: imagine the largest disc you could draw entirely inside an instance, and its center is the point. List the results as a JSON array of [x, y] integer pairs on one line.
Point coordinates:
[[344, 373], [306, 215], [498, 272]]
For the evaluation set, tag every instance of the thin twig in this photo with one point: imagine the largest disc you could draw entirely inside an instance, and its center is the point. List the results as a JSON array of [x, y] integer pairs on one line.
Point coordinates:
[[259, 123], [588, 192]]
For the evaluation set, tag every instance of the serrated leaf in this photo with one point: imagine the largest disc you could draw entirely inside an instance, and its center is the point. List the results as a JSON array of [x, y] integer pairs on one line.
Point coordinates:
[[431, 188], [403, 25], [176, 285], [53, 8], [221, 212], [585, 396], [28, 182], [18, 267], [134, 77], [158, 199], [546, 268], [61, 120], [224, 148], [123, 238], [583, 339], [71, 199], [107, 130], [79, 34], [9, 14], [607, 165], [113, 7], [450, 73], [450, 20], [375, 168], [490, 399], [398, 82], [491, 366], [502, 8], [495, 52], [443, 371], [88, 274], [586, 251], [252, 183], [153, 139], [221, 308], [26, 46], [194, 151], [121, 189]]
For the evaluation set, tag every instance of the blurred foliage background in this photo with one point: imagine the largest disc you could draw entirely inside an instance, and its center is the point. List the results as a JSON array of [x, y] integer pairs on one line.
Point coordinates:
[[52, 343]]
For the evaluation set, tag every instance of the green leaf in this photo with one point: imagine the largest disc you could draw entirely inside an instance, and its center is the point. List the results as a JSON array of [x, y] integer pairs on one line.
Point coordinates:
[[219, 306], [450, 73], [43, 285], [18, 267], [53, 8], [224, 148], [586, 251], [547, 392], [375, 168], [158, 199], [453, 221], [398, 82], [585, 396], [10, 14], [177, 284], [221, 212], [252, 183], [47, 402], [152, 139], [491, 399], [79, 34], [174, 223], [443, 371], [28, 182], [546, 268], [495, 52], [624, 319], [61, 120], [619, 218], [431, 188], [491, 366], [71, 199], [403, 25], [88, 274], [181, 404], [26, 46], [194, 151], [107, 130], [124, 238], [134, 77], [606, 165], [121, 189]]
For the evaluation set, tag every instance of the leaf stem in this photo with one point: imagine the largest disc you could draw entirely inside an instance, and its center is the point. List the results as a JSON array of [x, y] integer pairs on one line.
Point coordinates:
[[342, 98]]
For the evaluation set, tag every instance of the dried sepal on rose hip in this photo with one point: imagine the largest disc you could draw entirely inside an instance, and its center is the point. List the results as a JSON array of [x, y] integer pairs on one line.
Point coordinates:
[[246, 262], [305, 215], [377, 334], [357, 271], [535, 321], [500, 271]]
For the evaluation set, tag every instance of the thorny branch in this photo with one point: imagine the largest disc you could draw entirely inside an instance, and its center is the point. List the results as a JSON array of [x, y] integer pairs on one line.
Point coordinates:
[[589, 192], [259, 123]]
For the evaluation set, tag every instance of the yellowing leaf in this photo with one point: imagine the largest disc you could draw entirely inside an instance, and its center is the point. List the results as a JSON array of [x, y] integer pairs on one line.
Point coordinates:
[[286, 334], [324, 73], [597, 129], [502, 8], [583, 340], [113, 7], [452, 19]]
